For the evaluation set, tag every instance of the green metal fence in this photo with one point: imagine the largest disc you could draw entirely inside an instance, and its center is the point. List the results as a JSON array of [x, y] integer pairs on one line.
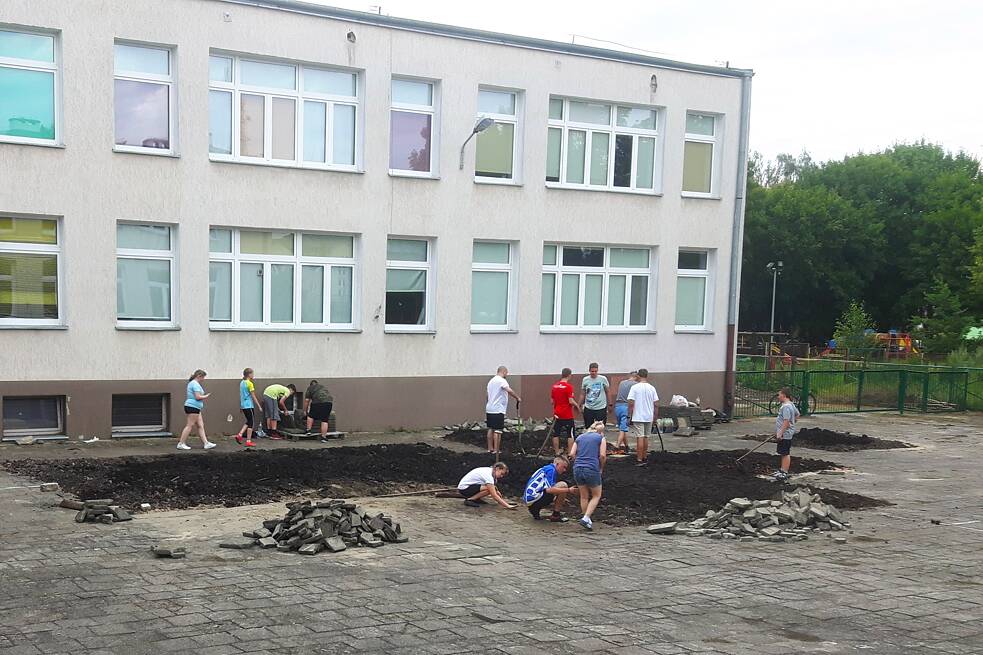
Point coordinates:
[[852, 390]]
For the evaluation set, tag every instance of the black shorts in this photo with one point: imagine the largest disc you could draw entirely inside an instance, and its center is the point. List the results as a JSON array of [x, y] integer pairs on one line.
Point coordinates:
[[591, 415], [784, 447], [563, 427], [320, 411], [470, 490], [247, 413], [538, 506], [495, 422], [191, 410]]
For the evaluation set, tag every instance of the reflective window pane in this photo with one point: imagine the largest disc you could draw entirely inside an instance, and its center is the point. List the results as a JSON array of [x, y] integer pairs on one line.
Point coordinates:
[[599, 145], [406, 297], [569, 299], [622, 160], [690, 300], [406, 250], [141, 59], [251, 293], [220, 69], [617, 286], [590, 112], [493, 154], [284, 121], [496, 102], [490, 252], [142, 114], [554, 136], [315, 131], [281, 293], [220, 291], [27, 103], [576, 149], [28, 286], [578, 256], [312, 294], [638, 305], [341, 294], [275, 76], [219, 240], [489, 297], [629, 257], [252, 113], [143, 237], [645, 169], [593, 292], [697, 166], [547, 297], [409, 142], [21, 45], [266, 243], [220, 122], [143, 289], [549, 255], [700, 124], [343, 137], [28, 230], [40, 414], [556, 109], [328, 245], [409, 92], [692, 260], [643, 119], [336, 83]]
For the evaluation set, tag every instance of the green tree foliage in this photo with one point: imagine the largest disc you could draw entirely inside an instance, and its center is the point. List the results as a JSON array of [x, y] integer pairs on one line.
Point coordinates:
[[852, 326], [943, 329], [879, 226]]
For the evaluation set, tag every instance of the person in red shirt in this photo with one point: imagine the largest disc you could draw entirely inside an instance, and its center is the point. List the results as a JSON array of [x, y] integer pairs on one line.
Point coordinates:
[[564, 405]]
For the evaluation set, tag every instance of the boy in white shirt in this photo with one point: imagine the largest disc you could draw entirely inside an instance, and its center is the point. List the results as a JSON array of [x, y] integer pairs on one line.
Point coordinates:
[[498, 401], [643, 411]]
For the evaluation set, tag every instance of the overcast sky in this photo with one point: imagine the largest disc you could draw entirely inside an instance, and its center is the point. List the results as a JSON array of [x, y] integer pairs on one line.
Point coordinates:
[[832, 77]]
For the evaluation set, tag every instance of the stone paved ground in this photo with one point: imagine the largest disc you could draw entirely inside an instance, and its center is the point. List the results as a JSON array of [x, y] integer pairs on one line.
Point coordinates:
[[491, 581]]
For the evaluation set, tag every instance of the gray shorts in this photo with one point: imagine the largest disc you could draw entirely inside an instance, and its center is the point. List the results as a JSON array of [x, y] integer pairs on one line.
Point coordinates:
[[642, 429], [271, 407]]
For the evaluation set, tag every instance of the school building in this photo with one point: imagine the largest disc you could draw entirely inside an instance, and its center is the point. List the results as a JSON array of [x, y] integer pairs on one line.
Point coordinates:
[[392, 207]]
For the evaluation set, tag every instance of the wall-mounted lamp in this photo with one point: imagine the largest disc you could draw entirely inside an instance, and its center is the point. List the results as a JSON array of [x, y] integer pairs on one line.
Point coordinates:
[[480, 126]]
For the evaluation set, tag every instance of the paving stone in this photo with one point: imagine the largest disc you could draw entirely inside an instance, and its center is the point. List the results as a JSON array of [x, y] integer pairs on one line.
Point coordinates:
[[50, 486], [68, 503], [240, 544]]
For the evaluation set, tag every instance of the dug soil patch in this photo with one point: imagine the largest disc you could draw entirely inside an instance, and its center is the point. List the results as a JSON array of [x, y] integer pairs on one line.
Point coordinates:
[[529, 442], [674, 487], [837, 442]]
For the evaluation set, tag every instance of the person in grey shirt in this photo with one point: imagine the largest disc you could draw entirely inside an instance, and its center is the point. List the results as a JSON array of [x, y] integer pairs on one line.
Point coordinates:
[[621, 409], [788, 414]]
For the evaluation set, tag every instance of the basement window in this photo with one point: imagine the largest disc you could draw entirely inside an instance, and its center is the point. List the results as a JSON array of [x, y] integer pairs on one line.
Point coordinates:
[[139, 413], [33, 416]]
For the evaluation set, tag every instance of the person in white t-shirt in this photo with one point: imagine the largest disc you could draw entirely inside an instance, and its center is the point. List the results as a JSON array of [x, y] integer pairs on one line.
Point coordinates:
[[643, 410], [480, 482], [498, 401]]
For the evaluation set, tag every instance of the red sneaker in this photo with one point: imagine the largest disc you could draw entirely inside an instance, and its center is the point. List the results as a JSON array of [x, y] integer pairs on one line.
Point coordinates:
[[239, 439], [276, 436], [250, 444]]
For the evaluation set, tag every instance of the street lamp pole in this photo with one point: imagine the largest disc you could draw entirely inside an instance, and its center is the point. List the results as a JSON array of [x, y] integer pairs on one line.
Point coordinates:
[[775, 268]]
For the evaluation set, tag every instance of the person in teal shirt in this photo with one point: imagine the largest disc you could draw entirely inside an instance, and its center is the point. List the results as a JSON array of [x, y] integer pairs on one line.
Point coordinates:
[[594, 397], [193, 404]]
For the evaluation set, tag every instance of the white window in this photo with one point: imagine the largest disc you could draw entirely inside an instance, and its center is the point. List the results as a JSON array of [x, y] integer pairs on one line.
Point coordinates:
[[693, 290], [29, 88], [497, 150], [144, 105], [492, 286], [700, 155], [139, 414], [409, 285], [33, 416], [595, 288], [30, 267], [413, 128], [271, 279], [283, 114], [602, 146], [144, 274]]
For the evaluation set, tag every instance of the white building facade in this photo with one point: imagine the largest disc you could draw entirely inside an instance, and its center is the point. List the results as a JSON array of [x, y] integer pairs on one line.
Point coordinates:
[[218, 185]]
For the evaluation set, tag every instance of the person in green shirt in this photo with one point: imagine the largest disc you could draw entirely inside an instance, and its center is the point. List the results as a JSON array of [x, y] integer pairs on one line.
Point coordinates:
[[273, 397], [317, 405]]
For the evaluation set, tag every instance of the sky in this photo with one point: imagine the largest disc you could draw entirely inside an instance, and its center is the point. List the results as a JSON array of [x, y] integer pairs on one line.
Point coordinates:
[[832, 78]]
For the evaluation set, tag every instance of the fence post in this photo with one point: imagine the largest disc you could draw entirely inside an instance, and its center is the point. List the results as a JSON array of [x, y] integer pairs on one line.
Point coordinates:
[[902, 389], [804, 397], [860, 387], [927, 375]]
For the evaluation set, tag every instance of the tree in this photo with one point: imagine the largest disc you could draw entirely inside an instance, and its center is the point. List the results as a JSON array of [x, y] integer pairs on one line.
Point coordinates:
[[943, 327], [852, 327]]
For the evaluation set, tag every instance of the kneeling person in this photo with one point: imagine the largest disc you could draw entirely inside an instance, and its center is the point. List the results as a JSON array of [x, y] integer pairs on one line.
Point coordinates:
[[543, 490], [480, 482]]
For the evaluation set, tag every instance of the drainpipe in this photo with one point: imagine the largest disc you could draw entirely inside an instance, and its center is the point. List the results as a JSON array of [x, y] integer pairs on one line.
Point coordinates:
[[737, 245]]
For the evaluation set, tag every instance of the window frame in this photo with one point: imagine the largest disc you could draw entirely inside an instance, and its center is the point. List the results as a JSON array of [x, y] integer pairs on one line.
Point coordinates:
[[53, 67], [236, 258], [170, 256], [139, 430], [433, 110], [511, 300], [168, 80], [40, 249], [55, 433], [715, 145], [607, 270], [705, 274], [516, 121], [236, 89], [429, 301], [613, 130]]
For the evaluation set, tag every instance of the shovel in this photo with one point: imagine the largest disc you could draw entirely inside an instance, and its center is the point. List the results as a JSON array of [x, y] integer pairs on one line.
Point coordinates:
[[738, 460]]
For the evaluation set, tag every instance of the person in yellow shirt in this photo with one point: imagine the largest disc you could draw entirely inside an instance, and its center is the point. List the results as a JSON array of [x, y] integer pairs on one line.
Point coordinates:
[[273, 397]]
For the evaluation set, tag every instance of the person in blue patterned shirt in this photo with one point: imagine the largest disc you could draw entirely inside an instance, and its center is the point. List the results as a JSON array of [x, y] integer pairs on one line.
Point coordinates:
[[543, 490]]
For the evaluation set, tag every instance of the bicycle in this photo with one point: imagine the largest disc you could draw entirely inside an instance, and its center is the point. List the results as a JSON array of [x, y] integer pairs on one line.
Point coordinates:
[[774, 403]]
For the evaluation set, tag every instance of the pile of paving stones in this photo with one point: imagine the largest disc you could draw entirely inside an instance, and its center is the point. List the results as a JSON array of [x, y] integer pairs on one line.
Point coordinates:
[[327, 524], [100, 510], [798, 514], [511, 425]]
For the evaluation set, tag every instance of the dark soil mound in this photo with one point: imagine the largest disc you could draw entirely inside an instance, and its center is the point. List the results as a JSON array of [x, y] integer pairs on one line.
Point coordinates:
[[675, 486], [837, 442], [530, 443]]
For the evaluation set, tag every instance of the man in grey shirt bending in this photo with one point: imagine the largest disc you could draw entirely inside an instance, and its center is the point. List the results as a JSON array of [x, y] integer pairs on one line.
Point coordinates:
[[621, 409]]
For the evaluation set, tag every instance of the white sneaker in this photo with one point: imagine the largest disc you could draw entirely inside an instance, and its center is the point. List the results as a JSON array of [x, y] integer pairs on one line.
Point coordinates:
[[209, 445], [183, 446]]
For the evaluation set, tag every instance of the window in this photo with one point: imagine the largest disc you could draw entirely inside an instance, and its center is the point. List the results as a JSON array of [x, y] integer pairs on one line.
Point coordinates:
[[281, 280], [595, 288], [692, 284], [496, 152], [144, 106], [29, 271], [139, 413], [29, 111], [412, 147], [698, 154], [282, 114], [492, 289], [409, 285], [597, 145], [144, 270], [33, 416]]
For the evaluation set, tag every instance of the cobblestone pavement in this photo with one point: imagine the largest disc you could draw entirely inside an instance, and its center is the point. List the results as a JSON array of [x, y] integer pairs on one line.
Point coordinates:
[[491, 581]]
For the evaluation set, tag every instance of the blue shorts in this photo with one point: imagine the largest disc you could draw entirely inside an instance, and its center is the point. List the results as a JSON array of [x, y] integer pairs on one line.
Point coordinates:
[[784, 447], [621, 415], [585, 477]]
